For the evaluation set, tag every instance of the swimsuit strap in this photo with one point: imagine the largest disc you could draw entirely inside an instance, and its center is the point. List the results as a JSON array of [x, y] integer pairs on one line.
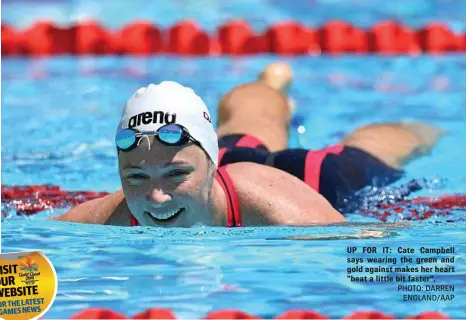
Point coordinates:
[[233, 210], [134, 222]]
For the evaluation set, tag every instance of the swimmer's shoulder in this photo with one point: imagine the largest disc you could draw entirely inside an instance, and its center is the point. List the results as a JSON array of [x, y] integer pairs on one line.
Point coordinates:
[[110, 209], [269, 196]]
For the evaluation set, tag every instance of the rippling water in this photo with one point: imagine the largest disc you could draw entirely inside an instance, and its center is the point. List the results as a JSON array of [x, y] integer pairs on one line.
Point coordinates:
[[59, 117], [261, 270]]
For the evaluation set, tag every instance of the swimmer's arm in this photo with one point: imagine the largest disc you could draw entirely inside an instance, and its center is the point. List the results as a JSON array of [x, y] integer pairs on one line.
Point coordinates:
[[269, 196], [395, 144], [103, 210]]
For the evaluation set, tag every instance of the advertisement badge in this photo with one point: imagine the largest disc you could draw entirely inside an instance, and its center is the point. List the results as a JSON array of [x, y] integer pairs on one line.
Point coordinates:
[[28, 285]]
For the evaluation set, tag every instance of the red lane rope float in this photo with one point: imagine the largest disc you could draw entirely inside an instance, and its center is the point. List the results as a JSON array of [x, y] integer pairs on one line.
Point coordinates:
[[420, 208], [235, 37], [162, 313], [27, 200]]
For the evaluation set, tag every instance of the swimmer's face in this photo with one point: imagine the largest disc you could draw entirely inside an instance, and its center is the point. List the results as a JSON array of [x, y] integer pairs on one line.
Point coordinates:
[[167, 186]]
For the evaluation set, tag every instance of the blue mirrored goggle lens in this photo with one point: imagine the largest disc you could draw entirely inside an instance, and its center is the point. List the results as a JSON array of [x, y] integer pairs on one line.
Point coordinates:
[[125, 139], [171, 134]]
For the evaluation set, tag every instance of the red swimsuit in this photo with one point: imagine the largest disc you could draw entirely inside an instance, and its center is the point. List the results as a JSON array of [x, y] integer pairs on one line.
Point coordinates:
[[233, 211]]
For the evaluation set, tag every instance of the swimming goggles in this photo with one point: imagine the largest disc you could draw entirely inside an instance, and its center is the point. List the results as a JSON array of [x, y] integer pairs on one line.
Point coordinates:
[[170, 134]]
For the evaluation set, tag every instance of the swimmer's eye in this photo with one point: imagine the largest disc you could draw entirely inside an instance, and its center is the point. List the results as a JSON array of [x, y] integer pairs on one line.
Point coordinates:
[[177, 173], [137, 176]]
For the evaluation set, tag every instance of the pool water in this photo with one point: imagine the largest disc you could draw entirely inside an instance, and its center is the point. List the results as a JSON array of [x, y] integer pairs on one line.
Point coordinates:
[[260, 14], [59, 118]]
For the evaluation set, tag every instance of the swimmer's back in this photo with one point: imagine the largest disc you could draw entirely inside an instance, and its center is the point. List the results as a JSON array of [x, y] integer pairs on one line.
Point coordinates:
[[270, 196]]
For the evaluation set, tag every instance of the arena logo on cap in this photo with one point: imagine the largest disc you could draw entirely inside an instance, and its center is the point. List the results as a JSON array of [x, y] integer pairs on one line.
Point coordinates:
[[28, 285], [151, 117]]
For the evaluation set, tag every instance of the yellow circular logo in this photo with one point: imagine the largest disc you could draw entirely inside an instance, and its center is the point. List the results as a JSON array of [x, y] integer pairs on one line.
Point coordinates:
[[28, 285]]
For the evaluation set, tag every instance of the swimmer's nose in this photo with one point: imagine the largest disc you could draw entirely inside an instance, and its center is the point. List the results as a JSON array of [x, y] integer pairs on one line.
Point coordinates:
[[159, 197]]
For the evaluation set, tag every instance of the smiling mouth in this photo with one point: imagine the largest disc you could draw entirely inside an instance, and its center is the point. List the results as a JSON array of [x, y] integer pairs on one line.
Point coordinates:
[[166, 216]]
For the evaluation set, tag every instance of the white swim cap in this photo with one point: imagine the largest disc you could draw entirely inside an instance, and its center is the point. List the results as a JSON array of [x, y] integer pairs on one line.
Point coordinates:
[[169, 102]]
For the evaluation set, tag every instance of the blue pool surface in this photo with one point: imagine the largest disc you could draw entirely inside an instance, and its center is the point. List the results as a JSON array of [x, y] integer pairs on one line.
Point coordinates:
[[59, 118], [260, 14]]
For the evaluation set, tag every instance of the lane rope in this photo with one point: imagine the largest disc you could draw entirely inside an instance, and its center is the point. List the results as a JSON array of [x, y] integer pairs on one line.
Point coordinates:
[[44, 38]]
